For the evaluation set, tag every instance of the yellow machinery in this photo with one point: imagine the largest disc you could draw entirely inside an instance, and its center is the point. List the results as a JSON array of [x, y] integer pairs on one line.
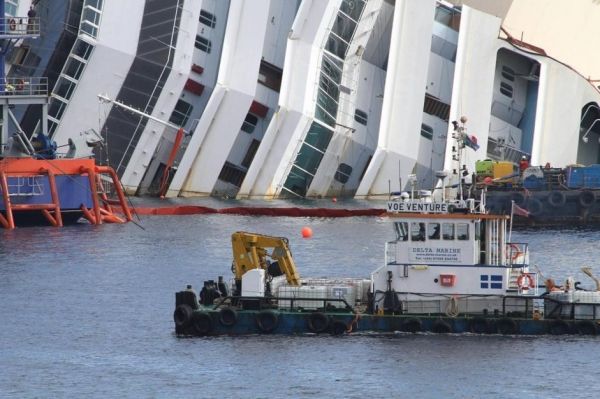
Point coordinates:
[[250, 252]]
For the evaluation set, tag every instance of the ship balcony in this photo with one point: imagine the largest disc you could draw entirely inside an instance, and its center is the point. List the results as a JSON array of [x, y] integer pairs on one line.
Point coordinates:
[[19, 27], [25, 90]]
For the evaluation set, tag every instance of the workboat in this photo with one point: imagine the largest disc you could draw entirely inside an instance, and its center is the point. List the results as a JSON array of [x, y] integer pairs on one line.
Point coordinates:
[[37, 184], [450, 267]]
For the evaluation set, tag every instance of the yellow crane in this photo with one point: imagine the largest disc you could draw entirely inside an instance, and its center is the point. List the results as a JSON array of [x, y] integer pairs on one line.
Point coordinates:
[[250, 251]]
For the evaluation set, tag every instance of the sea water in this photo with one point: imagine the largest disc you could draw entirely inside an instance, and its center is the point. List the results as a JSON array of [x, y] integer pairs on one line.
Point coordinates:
[[86, 311]]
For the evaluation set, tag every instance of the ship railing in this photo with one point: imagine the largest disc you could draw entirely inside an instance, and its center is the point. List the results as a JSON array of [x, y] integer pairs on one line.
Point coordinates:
[[557, 309], [24, 86], [289, 302], [517, 254], [25, 186], [467, 304], [19, 27]]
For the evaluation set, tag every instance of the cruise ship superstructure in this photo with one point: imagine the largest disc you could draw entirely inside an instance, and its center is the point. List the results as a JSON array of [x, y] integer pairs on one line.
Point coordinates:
[[295, 99]]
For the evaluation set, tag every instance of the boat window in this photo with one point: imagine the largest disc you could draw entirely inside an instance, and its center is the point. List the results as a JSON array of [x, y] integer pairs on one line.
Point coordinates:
[[448, 231], [401, 231], [433, 231], [417, 231], [462, 231], [477, 231]]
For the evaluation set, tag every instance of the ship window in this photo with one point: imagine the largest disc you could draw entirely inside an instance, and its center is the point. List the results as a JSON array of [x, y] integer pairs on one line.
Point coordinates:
[[203, 44], [82, 49], [73, 68], [506, 89], [462, 231], [417, 231], [401, 231], [426, 131], [181, 113], [361, 116], [270, 75], [343, 173], [448, 231], [232, 174], [477, 231], [433, 231], [508, 73], [250, 153], [207, 19], [249, 123]]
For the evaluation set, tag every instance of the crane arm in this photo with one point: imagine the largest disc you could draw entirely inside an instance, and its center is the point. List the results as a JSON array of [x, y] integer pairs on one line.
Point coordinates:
[[250, 252]]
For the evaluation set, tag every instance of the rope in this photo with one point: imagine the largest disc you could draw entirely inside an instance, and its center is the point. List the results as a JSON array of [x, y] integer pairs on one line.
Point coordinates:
[[452, 307]]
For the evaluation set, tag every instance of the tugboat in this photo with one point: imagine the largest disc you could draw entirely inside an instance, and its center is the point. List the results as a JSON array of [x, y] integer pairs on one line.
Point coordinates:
[[451, 267], [36, 186]]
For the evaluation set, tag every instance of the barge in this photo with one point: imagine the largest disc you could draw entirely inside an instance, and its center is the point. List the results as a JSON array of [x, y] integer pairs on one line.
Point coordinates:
[[37, 185], [451, 267], [550, 196]]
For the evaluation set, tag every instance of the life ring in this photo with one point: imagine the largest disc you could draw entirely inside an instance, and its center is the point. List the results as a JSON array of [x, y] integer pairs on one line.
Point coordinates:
[[182, 316], [507, 326], [525, 281], [586, 198], [201, 323], [535, 207], [441, 327], [318, 322], [12, 24], [478, 325], [586, 327], [557, 199], [227, 317], [267, 321], [338, 327], [412, 325], [559, 327]]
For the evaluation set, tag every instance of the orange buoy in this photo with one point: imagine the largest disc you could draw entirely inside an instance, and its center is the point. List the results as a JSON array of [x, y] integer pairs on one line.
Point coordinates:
[[488, 180], [306, 232]]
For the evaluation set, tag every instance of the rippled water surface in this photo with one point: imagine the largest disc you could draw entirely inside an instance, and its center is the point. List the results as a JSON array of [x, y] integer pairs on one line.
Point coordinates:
[[86, 311]]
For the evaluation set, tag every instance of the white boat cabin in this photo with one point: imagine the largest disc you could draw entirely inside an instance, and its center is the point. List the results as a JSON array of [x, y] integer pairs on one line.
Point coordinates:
[[439, 255]]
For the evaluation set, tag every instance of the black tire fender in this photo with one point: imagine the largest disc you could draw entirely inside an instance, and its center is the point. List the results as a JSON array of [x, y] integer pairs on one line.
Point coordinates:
[[535, 207], [412, 325], [202, 323], [227, 317], [441, 327], [478, 325], [182, 315], [318, 322], [586, 198], [507, 326], [518, 197], [338, 327], [267, 321], [557, 199]]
